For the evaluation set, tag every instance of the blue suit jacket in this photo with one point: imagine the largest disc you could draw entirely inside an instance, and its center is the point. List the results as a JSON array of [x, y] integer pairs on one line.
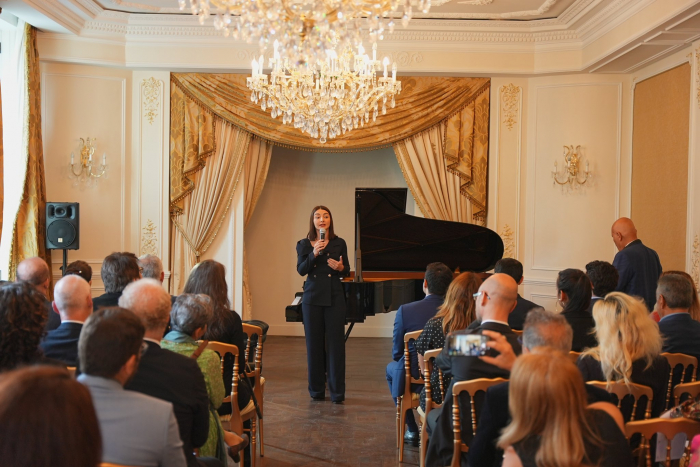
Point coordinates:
[[62, 343], [639, 269], [681, 334]]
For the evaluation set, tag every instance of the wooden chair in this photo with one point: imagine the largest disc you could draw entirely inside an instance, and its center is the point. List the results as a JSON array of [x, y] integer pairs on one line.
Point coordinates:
[[253, 372], [108, 464], [409, 400], [669, 428], [636, 391], [238, 416], [674, 360], [429, 359], [574, 356], [470, 387], [517, 333], [693, 389], [71, 371]]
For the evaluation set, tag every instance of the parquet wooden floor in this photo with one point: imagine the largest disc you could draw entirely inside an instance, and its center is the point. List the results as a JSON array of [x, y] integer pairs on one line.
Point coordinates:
[[300, 432]]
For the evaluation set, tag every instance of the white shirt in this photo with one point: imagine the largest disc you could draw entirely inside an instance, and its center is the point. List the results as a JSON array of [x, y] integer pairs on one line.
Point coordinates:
[[72, 321], [152, 340], [495, 321]]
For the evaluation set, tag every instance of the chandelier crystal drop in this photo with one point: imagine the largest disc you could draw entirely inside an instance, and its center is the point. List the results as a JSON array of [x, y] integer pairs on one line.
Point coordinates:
[[304, 29], [329, 98]]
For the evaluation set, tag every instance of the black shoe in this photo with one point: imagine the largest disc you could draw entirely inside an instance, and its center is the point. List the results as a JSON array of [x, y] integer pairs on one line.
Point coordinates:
[[412, 437], [318, 398], [339, 401]]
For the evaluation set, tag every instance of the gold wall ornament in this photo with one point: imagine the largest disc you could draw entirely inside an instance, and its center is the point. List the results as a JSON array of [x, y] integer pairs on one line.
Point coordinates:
[[697, 74], [508, 237], [82, 171], [510, 99], [570, 175], [151, 91], [149, 239], [695, 262]]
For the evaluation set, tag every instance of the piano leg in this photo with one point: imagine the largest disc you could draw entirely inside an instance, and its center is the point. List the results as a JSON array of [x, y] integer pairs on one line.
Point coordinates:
[[347, 333]]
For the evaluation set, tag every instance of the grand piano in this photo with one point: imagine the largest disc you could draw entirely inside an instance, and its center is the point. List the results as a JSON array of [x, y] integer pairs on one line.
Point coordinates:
[[392, 250]]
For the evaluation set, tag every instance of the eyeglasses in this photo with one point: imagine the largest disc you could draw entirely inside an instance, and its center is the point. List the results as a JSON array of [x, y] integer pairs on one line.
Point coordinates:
[[479, 294]]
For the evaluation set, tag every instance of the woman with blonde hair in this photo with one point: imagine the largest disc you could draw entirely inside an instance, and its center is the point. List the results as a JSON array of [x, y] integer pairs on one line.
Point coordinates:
[[456, 313], [629, 349], [551, 424]]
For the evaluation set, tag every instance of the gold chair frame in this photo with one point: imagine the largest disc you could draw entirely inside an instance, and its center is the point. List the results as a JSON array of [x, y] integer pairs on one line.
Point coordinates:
[[428, 359], [669, 428], [255, 376], [675, 359], [621, 390], [407, 401], [685, 388]]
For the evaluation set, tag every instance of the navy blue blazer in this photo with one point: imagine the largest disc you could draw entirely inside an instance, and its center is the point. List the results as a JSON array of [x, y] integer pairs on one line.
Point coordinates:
[[320, 278], [639, 269], [62, 343], [516, 318], [681, 334], [54, 319], [412, 317]]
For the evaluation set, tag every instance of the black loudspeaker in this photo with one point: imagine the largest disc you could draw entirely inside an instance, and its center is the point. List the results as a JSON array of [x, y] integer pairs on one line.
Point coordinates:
[[62, 226]]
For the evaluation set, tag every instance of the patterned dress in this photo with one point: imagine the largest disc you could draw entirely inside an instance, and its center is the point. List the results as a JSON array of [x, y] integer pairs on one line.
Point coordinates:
[[431, 338], [210, 364]]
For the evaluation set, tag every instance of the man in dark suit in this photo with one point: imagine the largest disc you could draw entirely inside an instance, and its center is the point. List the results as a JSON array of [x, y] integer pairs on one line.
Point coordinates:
[[152, 268], [118, 271], [544, 330], [495, 300], [73, 302], [638, 265], [412, 317], [166, 375], [603, 277], [514, 269], [36, 272]]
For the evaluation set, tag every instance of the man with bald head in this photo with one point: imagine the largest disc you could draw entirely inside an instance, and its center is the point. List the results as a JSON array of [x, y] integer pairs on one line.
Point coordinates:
[[496, 298], [73, 302], [638, 265], [36, 272]]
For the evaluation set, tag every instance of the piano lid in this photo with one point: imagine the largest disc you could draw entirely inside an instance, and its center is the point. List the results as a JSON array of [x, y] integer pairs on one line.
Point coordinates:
[[391, 240]]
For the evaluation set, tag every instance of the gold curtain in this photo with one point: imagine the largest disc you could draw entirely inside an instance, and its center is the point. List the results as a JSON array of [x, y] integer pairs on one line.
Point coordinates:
[[255, 168], [2, 169], [29, 230], [446, 166]]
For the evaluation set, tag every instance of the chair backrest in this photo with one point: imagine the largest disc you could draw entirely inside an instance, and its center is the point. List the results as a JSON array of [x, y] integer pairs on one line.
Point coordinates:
[[71, 371], [693, 389], [429, 359], [574, 356], [621, 390], [222, 349], [675, 359], [109, 464], [253, 371], [407, 338], [669, 427], [517, 333], [471, 387]]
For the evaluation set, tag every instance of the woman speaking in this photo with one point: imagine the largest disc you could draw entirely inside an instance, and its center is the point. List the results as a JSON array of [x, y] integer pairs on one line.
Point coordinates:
[[323, 258]]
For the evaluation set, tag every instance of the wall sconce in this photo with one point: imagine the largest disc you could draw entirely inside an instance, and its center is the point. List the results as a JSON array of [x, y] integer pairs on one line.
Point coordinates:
[[570, 175], [82, 171]]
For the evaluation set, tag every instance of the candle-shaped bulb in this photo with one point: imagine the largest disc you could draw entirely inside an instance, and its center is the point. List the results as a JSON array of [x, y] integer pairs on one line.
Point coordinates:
[[104, 158], [261, 63], [72, 158], [586, 166], [385, 62], [374, 52], [393, 71], [254, 65]]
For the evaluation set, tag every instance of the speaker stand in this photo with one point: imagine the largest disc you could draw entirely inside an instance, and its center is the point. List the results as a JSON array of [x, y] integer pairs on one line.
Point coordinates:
[[65, 262]]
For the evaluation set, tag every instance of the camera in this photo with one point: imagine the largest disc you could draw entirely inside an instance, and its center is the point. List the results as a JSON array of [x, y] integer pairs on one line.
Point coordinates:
[[467, 345]]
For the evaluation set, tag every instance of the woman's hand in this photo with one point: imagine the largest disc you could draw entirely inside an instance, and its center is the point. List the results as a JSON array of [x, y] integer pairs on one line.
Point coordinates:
[[337, 265], [319, 246]]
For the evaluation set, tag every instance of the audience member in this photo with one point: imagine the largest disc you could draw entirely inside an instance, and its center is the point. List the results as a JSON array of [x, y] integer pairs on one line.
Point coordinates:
[[694, 309], [542, 329], [514, 269], [136, 429], [574, 294], [79, 268], [36, 272], [22, 322], [189, 318], [638, 265], [629, 349], [552, 424], [209, 278], [152, 268], [73, 302], [495, 300], [409, 318], [603, 277], [167, 375], [47, 420], [458, 311], [118, 271]]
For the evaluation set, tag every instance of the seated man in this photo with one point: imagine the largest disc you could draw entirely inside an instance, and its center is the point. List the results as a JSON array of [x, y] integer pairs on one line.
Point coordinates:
[[165, 374], [79, 268], [604, 278], [495, 300], [542, 329], [36, 272], [514, 269], [152, 268], [412, 317], [118, 271], [73, 302], [136, 429]]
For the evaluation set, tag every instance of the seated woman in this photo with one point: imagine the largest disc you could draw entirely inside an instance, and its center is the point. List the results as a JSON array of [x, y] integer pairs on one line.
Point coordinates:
[[456, 313], [551, 424], [209, 278], [189, 317], [574, 292], [629, 349]]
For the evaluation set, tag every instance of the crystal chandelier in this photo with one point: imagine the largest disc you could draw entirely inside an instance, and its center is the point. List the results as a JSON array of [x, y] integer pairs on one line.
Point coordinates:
[[328, 98], [304, 29]]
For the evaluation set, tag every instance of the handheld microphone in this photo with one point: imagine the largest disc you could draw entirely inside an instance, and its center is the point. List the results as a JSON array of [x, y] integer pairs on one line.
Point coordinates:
[[322, 232]]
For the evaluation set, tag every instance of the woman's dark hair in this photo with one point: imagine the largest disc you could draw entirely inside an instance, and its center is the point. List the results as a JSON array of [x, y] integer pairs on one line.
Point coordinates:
[[60, 431], [209, 278], [330, 235], [577, 287], [79, 268], [23, 315]]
